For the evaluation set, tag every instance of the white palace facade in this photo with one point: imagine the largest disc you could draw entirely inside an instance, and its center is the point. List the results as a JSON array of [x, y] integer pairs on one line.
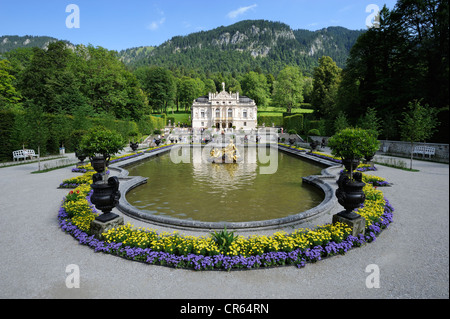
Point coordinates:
[[224, 110]]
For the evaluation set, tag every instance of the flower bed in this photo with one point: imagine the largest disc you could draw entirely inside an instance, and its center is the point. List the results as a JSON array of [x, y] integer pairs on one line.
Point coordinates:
[[180, 251]]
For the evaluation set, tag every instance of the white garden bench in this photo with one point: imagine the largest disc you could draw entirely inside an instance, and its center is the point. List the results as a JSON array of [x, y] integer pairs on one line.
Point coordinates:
[[31, 154], [424, 150], [24, 154], [17, 155]]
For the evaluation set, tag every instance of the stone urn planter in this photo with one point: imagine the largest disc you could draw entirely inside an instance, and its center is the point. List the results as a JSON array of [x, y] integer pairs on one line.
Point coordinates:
[[314, 145], [368, 158], [105, 196], [350, 164], [99, 163], [134, 146], [81, 156], [350, 194], [157, 142], [291, 141]]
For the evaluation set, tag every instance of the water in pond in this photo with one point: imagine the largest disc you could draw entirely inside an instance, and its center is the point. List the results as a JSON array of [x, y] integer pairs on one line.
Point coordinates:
[[208, 192]]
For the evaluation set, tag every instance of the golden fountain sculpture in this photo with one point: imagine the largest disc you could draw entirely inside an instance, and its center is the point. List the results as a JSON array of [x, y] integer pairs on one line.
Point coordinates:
[[228, 154]]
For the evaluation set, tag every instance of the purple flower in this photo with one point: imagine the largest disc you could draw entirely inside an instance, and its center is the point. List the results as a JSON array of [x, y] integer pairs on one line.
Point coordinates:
[[295, 257]]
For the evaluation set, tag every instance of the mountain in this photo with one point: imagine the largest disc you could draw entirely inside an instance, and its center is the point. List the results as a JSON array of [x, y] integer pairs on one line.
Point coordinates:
[[135, 54], [11, 42], [247, 45], [241, 47]]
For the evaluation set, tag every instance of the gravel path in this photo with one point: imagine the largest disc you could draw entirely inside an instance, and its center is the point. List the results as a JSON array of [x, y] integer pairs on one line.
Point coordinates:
[[412, 255]]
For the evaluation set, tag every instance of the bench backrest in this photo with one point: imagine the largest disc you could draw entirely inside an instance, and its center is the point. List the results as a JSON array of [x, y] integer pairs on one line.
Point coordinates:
[[30, 152], [425, 149]]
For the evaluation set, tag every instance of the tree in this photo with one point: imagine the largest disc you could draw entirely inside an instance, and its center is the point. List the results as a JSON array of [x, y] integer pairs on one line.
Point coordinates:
[[210, 86], [108, 85], [288, 89], [8, 93], [418, 124], [308, 89], [405, 59], [159, 85], [370, 122], [325, 87], [255, 86], [188, 91], [47, 81], [341, 122]]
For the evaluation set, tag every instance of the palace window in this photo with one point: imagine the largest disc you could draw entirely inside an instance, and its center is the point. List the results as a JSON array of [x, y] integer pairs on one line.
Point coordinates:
[[244, 114], [230, 113], [217, 113]]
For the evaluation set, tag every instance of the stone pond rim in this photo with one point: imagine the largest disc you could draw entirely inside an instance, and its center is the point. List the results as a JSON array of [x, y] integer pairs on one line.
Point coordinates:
[[127, 183]]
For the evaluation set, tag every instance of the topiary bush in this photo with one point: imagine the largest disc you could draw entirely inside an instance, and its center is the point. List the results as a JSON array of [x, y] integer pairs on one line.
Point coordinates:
[[100, 141]]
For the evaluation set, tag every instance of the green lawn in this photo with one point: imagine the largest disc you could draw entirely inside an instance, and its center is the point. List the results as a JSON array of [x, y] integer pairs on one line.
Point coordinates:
[[275, 111], [181, 117]]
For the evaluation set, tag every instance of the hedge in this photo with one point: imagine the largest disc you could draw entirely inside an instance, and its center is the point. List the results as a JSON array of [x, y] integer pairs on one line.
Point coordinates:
[[293, 122], [49, 131], [268, 120]]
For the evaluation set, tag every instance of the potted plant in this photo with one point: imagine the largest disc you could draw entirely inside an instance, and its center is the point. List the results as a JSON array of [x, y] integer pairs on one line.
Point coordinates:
[[371, 146], [74, 141], [351, 144], [134, 146], [81, 156], [99, 144]]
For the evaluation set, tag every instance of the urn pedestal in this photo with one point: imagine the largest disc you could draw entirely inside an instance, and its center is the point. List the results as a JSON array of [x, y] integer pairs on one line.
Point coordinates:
[[98, 227], [358, 225]]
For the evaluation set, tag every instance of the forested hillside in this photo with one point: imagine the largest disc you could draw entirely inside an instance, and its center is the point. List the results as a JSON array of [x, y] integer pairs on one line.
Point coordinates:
[[248, 45], [12, 42], [238, 48]]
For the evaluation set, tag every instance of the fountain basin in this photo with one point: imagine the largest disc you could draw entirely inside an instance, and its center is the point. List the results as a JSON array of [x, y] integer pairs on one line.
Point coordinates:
[[314, 183]]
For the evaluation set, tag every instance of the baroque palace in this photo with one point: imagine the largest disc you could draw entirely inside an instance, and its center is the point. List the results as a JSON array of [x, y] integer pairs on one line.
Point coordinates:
[[224, 110]]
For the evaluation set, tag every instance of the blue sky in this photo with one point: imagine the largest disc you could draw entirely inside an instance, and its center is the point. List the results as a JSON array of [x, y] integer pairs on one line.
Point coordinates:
[[118, 25]]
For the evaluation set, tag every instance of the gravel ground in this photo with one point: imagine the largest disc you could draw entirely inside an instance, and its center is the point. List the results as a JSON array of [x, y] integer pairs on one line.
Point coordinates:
[[412, 255]]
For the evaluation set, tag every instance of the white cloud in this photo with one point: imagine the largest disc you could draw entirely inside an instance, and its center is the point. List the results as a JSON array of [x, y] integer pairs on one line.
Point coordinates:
[[240, 11], [156, 24]]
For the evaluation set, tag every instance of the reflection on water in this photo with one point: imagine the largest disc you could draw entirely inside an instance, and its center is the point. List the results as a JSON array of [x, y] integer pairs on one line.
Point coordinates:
[[208, 192]]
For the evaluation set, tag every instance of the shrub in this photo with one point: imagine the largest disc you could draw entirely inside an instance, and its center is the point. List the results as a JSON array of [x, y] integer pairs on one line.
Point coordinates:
[[314, 132], [352, 143], [101, 141]]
